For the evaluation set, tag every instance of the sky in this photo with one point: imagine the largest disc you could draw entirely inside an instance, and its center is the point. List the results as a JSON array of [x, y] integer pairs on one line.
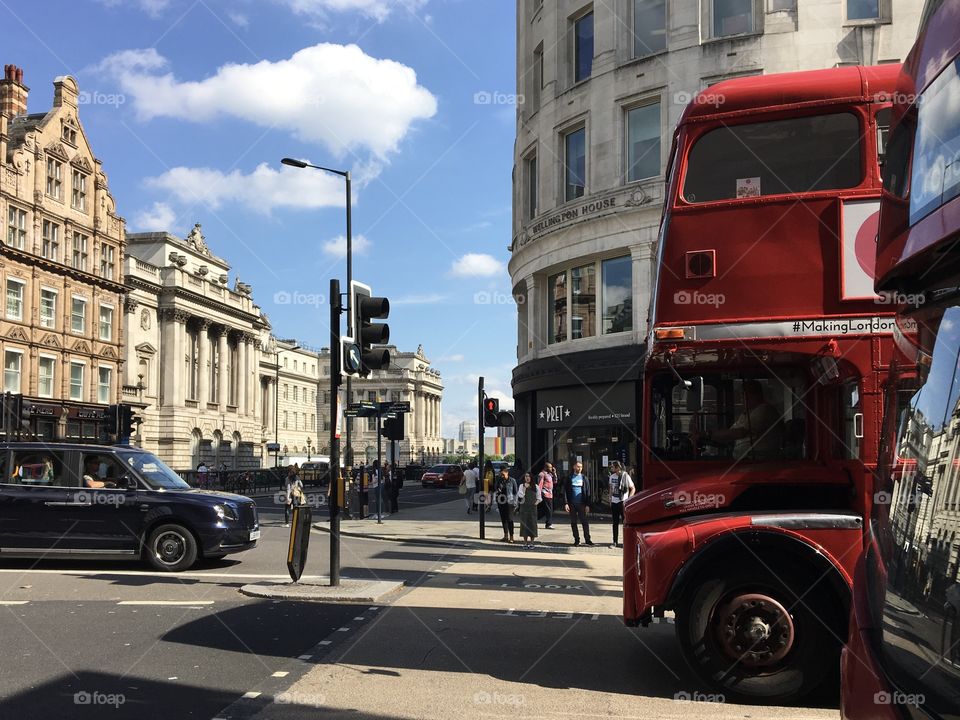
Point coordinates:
[[191, 104]]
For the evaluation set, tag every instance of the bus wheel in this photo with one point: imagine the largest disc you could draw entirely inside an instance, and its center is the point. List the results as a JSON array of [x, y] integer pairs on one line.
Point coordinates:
[[755, 638]]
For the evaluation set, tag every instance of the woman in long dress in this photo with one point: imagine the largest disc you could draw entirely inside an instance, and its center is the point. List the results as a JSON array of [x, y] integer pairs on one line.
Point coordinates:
[[529, 497]]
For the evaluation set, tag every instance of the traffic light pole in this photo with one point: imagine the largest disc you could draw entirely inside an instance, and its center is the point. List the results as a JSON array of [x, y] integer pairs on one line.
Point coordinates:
[[335, 310], [379, 468], [480, 478]]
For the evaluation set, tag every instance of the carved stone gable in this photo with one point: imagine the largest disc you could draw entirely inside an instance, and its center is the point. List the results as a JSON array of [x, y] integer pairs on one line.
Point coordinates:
[[17, 333], [81, 163], [57, 150], [50, 340], [81, 346]]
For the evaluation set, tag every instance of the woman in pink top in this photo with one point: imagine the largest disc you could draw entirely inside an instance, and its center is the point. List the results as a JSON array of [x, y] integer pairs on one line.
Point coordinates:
[[546, 482]]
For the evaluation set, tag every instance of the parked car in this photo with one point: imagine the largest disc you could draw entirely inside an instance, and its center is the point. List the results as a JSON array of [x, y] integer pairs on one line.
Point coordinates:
[[96, 501], [315, 473], [443, 476]]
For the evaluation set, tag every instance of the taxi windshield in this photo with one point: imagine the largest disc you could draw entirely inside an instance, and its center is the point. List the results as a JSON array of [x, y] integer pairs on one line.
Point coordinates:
[[157, 475]]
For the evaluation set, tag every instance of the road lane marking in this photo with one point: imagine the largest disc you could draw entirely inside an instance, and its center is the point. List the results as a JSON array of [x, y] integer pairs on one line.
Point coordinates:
[[14, 602], [280, 674], [325, 642], [251, 695], [305, 657], [166, 602]]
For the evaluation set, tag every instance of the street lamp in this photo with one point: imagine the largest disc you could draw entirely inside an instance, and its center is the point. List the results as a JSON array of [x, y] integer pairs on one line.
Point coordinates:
[[276, 400], [308, 449], [345, 174]]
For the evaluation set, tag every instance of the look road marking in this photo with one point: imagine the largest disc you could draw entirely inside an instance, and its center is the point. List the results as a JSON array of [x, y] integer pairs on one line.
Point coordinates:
[[181, 603]]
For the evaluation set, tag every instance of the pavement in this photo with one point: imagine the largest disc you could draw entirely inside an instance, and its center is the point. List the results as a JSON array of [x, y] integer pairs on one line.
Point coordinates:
[[447, 523]]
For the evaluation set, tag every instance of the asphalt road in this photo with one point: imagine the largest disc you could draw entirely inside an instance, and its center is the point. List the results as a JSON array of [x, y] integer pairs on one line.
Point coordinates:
[[119, 640]]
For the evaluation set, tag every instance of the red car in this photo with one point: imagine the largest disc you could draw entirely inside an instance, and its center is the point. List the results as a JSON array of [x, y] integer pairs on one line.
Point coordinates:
[[442, 476]]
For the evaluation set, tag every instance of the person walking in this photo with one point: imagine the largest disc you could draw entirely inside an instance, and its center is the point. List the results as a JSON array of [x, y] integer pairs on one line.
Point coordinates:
[[546, 482], [396, 482], [505, 492], [293, 493], [470, 477], [528, 498], [486, 489], [577, 499], [621, 489], [377, 491]]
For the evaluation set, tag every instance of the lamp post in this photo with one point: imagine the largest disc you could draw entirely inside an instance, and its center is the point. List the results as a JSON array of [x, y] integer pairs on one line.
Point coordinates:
[[276, 399], [308, 449], [345, 174]]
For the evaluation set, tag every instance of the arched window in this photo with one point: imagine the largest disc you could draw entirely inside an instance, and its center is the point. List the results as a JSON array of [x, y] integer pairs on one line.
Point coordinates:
[[235, 451], [195, 438], [215, 446]]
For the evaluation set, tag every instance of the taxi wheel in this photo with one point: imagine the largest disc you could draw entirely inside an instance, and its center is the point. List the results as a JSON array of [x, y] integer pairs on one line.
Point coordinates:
[[171, 548]]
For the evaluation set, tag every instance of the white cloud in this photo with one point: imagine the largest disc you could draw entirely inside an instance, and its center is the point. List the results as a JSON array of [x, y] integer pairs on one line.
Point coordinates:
[[238, 19], [153, 8], [262, 190], [157, 217], [338, 246], [451, 358], [331, 95], [506, 400], [431, 299], [477, 265], [376, 9]]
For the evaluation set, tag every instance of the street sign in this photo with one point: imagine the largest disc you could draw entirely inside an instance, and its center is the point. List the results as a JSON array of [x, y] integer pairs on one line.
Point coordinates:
[[273, 447], [361, 409], [299, 541], [395, 407]]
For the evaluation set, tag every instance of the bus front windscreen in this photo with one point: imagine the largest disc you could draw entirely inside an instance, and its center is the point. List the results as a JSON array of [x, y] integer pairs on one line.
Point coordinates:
[[795, 155]]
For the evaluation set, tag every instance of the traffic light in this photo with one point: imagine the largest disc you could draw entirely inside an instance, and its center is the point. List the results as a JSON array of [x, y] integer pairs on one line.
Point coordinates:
[[493, 416], [393, 428], [491, 412], [111, 419], [128, 421], [366, 333]]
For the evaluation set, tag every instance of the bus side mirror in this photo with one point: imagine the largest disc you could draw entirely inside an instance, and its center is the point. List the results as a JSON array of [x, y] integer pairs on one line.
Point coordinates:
[[694, 394]]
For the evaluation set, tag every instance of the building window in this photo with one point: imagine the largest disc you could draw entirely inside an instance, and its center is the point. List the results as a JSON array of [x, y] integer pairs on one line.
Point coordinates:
[[55, 179], [643, 142], [575, 163], [286, 391], [78, 315], [12, 367], [863, 9], [79, 251], [557, 302], [76, 381], [16, 227], [532, 186], [69, 135], [583, 303], [284, 419], [51, 241], [103, 385], [617, 295], [106, 322], [78, 199], [732, 17], [108, 262], [649, 27], [48, 308], [583, 47], [778, 5], [536, 80], [47, 371], [14, 299]]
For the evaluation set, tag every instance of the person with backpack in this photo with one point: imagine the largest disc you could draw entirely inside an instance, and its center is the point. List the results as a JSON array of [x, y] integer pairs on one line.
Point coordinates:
[[621, 488], [546, 482]]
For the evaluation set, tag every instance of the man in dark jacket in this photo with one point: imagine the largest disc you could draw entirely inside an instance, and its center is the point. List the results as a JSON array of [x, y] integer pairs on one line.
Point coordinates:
[[577, 499]]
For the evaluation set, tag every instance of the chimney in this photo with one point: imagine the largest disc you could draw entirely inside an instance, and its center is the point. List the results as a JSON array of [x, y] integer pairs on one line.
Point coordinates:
[[13, 93], [65, 92]]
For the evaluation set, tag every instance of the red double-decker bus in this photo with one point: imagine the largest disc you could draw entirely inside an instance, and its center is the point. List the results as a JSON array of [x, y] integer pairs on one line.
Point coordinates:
[[761, 386], [902, 659]]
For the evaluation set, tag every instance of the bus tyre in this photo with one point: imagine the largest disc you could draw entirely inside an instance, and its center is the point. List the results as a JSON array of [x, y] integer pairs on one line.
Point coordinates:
[[171, 548], [756, 638]]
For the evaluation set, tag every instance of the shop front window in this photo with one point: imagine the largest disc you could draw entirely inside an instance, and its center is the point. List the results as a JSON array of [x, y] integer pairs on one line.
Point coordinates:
[[557, 302]]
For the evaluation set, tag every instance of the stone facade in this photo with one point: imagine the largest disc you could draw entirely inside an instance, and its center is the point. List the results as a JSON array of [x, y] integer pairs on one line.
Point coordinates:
[[410, 378], [301, 420], [61, 266], [593, 136], [193, 353]]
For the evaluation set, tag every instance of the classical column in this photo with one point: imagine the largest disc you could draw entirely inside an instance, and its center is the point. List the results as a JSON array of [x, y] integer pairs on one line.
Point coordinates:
[[173, 331], [224, 378], [203, 361], [242, 384], [268, 400], [439, 418], [532, 338]]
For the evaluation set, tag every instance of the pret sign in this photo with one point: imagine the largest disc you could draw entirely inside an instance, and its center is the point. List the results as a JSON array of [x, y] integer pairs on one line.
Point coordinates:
[[583, 405]]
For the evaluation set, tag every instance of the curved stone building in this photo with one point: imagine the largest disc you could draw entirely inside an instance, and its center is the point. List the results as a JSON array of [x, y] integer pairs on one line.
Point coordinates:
[[601, 86]]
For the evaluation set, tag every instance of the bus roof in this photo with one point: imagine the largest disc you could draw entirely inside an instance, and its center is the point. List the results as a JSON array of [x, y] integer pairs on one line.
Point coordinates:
[[752, 93]]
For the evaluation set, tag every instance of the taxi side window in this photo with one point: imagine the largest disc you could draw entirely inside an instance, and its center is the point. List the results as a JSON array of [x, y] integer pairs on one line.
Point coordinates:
[[100, 470], [39, 468]]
